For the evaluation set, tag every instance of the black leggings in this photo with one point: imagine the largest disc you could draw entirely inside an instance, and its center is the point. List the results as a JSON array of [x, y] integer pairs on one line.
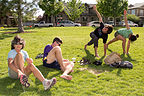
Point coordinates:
[[93, 40]]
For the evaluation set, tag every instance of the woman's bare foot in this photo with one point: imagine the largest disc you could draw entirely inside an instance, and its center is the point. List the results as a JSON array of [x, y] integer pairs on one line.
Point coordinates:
[[67, 77]]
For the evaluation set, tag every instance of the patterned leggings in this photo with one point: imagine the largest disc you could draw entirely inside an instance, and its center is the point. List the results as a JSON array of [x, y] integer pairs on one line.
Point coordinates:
[[93, 40]]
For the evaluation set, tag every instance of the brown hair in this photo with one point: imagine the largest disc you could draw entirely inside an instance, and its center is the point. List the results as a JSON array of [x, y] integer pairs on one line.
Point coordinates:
[[57, 39], [17, 39]]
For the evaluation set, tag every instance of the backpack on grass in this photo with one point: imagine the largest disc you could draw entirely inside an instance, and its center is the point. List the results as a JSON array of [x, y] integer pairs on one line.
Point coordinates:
[[112, 58], [122, 64]]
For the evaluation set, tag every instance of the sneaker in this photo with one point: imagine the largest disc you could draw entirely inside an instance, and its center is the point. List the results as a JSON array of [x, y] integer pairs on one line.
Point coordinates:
[[49, 83], [24, 81]]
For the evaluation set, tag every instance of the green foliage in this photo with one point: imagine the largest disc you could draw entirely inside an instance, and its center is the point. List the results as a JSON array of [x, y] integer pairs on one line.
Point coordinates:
[[51, 7], [22, 8], [4, 7], [107, 81], [112, 8], [29, 16], [133, 18], [74, 9]]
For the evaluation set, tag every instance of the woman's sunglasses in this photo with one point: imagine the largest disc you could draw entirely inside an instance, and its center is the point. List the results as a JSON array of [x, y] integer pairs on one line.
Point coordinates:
[[19, 43], [58, 43]]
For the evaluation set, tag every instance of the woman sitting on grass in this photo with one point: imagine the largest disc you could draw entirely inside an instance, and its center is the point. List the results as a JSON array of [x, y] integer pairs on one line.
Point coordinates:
[[16, 69], [124, 33]]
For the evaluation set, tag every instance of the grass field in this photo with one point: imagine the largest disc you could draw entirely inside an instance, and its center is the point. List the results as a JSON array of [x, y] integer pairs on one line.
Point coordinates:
[[88, 80]]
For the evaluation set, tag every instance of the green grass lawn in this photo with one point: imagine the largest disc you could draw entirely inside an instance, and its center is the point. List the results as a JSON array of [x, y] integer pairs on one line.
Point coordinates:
[[106, 81]]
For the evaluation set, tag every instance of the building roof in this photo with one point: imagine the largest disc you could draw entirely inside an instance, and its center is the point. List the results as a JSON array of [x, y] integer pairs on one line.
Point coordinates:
[[137, 5], [91, 5]]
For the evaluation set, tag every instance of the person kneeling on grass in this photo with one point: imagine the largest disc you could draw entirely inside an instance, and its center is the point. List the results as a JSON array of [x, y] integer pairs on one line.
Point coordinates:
[[16, 69], [53, 59], [124, 33]]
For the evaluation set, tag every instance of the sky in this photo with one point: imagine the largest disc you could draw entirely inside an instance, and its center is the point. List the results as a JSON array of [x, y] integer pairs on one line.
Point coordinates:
[[40, 12]]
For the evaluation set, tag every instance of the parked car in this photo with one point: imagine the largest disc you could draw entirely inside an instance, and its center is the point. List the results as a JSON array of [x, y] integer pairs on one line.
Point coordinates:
[[64, 23], [93, 23], [43, 24], [130, 23], [110, 23]]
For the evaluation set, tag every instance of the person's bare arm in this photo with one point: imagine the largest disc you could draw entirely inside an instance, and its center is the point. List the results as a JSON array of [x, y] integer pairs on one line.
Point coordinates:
[[125, 19], [98, 14]]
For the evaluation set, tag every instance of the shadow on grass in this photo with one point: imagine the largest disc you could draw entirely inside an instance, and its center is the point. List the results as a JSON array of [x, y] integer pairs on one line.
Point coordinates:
[[45, 71], [128, 58], [89, 56], [8, 29], [56, 73], [10, 86], [105, 67], [11, 34], [15, 28], [92, 58], [3, 36]]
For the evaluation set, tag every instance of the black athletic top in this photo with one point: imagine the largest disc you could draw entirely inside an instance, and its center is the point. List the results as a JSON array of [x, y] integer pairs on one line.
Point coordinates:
[[98, 32]]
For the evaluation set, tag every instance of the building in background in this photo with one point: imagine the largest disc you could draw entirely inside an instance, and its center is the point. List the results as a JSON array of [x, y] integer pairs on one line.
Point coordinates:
[[87, 16], [138, 10], [8, 20]]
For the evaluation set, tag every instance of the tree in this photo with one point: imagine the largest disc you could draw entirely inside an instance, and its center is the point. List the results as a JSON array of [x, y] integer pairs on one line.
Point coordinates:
[[22, 7], [74, 9], [133, 18], [29, 16], [51, 8], [4, 10], [112, 8]]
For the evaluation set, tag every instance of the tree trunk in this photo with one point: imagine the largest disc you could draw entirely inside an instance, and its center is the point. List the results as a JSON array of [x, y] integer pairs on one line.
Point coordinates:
[[53, 21], [2, 21], [114, 21], [20, 23]]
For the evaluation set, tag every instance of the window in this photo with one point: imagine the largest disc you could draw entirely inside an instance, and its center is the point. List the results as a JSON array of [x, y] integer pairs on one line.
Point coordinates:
[[42, 22], [141, 13], [133, 11], [128, 12]]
